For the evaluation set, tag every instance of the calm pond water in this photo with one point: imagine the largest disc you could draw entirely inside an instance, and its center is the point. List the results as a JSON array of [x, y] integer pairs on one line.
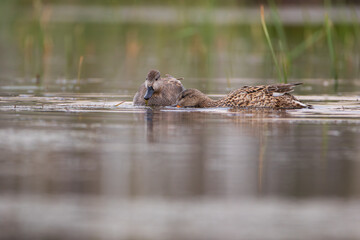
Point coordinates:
[[76, 164], [83, 168]]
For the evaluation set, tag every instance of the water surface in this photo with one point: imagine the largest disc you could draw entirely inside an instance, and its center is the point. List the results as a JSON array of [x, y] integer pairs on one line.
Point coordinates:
[[94, 170]]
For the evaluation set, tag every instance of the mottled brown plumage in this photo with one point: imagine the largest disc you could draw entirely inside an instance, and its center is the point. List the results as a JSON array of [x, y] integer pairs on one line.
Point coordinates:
[[158, 91], [264, 96]]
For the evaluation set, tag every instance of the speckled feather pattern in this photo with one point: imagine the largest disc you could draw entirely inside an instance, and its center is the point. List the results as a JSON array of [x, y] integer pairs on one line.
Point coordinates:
[[264, 96], [261, 96]]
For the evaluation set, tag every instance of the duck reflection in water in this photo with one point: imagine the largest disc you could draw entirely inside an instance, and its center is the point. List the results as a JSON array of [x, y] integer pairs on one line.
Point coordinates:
[[149, 115], [160, 123]]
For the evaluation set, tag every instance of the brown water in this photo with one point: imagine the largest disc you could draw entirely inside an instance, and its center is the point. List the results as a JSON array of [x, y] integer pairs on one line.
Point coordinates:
[[82, 168]]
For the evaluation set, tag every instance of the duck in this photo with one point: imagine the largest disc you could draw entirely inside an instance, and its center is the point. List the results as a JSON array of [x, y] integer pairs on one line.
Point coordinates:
[[263, 96], [158, 91]]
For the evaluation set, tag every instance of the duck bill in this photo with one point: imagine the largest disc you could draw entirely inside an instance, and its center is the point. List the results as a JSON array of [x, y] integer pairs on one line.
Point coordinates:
[[176, 105], [149, 93]]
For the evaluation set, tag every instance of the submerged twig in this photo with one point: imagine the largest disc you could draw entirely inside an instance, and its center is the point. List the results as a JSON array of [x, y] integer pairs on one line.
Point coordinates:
[[116, 105]]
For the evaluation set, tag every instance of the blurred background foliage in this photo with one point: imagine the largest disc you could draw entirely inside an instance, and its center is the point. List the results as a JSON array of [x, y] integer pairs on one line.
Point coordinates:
[[110, 45], [190, 2]]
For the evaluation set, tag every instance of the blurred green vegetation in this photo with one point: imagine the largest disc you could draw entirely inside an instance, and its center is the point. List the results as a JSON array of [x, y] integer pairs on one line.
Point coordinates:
[[189, 2], [119, 54], [142, 2]]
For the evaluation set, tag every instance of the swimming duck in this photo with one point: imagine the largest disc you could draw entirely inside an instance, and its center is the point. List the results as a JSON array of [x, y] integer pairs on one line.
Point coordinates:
[[264, 96], [157, 91]]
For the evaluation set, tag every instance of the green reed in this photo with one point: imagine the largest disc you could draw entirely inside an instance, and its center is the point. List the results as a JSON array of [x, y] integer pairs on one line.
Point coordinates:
[[285, 61], [263, 23], [356, 29], [333, 58], [307, 43], [39, 41], [189, 49], [81, 59]]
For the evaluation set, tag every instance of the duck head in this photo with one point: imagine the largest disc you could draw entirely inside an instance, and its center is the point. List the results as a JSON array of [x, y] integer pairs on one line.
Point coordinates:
[[151, 83], [191, 98]]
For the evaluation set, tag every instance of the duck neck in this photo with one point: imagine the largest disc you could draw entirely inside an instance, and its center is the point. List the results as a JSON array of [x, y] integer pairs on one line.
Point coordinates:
[[207, 102]]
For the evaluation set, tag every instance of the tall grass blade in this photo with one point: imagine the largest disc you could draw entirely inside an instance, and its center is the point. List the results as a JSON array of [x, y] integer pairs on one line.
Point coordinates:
[[263, 23], [285, 61], [278, 25], [309, 41], [329, 37], [79, 68]]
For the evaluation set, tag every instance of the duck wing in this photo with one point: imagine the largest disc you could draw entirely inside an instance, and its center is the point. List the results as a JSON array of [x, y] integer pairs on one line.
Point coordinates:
[[170, 89], [281, 89], [274, 90], [251, 89], [172, 83], [169, 76]]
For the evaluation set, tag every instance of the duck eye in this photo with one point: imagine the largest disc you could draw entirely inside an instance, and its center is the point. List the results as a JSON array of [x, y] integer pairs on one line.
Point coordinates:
[[156, 78], [184, 95]]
